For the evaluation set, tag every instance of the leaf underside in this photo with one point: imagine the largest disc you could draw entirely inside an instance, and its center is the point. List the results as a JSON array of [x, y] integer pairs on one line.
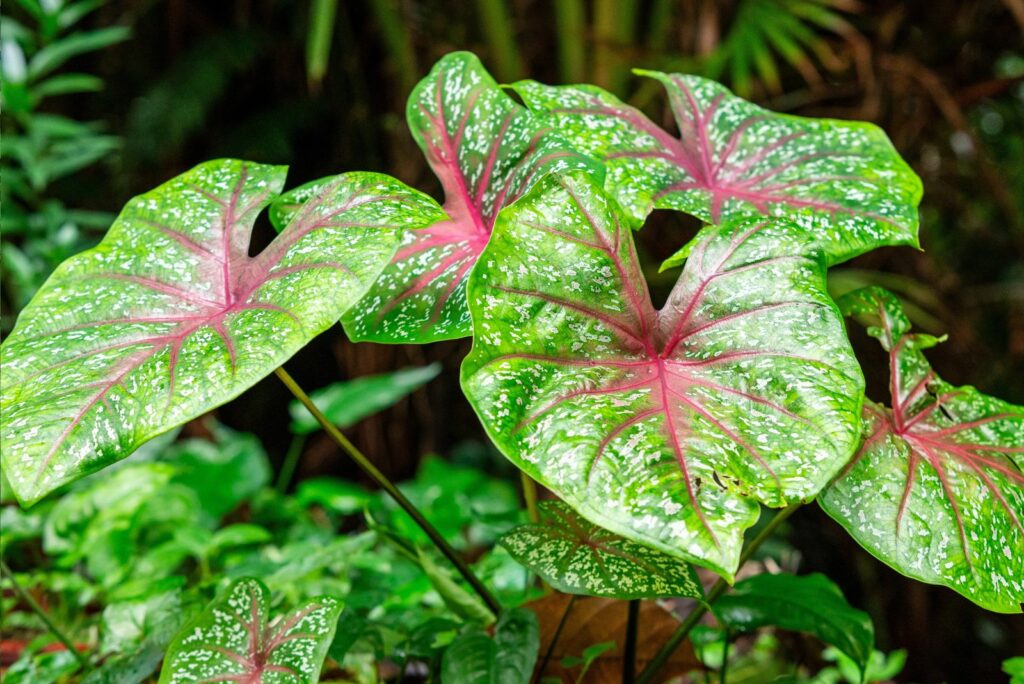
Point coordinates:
[[575, 556], [841, 181], [169, 316], [937, 488], [668, 427], [235, 640], [487, 151]]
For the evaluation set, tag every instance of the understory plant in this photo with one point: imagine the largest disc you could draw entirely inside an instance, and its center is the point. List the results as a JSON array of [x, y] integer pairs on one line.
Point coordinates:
[[663, 433]]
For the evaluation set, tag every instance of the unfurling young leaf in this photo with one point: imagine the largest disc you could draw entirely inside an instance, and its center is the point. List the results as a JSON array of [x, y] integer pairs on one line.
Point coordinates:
[[806, 603], [235, 640], [841, 181], [486, 150], [573, 555], [169, 316], [937, 488], [668, 427]]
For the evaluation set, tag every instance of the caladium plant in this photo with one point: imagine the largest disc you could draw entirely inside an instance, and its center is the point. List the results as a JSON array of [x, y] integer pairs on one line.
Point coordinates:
[[575, 556], [169, 316], [487, 150], [668, 427], [842, 181], [936, 489], [235, 640]]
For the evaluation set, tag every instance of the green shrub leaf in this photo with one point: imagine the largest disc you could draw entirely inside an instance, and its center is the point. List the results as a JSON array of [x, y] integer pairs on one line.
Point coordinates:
[[169, 316], [842, 181], [667, 427], [806, 603], [508, 658], [346, 403], [235, 640], [937, 488], [577, 557]]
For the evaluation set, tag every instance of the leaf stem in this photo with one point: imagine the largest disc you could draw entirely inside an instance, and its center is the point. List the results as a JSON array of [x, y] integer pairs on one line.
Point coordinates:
[[719, 587], [529, 496], [291, 461], [38, 610], [554, 637], [629, 651], [377, 476]]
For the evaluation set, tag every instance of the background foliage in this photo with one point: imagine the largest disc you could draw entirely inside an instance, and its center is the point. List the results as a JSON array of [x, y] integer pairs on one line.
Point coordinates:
[[321, 86]]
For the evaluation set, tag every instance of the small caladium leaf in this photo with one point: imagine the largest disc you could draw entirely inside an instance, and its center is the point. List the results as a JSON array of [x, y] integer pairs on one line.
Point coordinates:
[[937, 488], [235, 640], [667, 427], [805, 603], [575, 556], [487, 150], [841, 180], [169, 316]]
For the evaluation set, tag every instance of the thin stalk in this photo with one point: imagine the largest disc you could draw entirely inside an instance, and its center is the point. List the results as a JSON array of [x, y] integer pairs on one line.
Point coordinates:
[[367, 466], [570, 27], [499, 31], [555, 636], [38, 610], [698, 611], [722, 671], [529, 496], [614, 27], [291, 461], [318, 41], [629, 652]]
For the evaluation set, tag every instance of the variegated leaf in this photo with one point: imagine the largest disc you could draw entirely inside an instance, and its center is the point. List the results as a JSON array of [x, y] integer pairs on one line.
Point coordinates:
[[169, 316], [841, 181], [575, 556], [937, 488], [234, 640], [487, 150], [668, 427]]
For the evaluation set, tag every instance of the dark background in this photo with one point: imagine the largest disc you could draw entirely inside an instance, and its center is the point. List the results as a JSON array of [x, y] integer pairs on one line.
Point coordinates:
[[201, 79]]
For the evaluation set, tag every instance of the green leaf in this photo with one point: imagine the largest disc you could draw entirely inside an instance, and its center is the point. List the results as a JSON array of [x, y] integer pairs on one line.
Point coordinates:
[[169, 316], [335, 495], [1015, 668], [508, 658], [937, 488], [346, 403], [668, 427], [842, 181], [235, 640], [808, 603], [223, 474], [462, 602], [487, 151], [577, 557], [80, 42]]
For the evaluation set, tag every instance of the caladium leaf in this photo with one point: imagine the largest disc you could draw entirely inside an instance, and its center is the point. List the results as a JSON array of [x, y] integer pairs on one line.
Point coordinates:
[[487, 150], [667, 427], [169, 316], [234, 640], [575, 556], [937, 488], [841, 180]]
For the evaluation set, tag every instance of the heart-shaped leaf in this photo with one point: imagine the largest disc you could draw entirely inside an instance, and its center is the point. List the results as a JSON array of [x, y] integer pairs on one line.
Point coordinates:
[[667, 427], [806, 603], [234, 640], [575, 556], [841, 180], [169, 316], [937, 488], [487, 150]]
